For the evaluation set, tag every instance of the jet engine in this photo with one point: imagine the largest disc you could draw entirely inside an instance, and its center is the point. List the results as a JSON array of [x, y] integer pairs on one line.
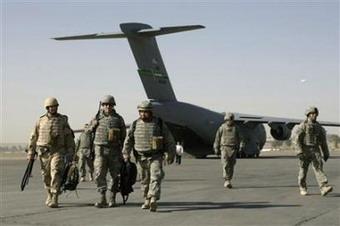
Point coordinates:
[[280, 131]]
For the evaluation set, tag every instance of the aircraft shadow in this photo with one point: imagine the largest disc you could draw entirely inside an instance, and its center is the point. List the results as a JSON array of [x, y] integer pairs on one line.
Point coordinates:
[[166, 207]]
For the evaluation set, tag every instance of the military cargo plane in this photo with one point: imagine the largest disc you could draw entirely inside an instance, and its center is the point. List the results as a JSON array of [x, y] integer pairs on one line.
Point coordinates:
[[195, 126]]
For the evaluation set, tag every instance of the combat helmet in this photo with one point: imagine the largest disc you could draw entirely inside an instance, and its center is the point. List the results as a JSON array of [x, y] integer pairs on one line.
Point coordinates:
[[311, 109], [50, 101], [229, 116], [145, 106], [108, 99]]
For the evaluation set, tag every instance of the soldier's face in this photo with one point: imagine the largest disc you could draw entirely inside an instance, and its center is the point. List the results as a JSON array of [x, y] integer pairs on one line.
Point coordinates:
[[313, 116], [52, 110], [145, 115], [107, 108]]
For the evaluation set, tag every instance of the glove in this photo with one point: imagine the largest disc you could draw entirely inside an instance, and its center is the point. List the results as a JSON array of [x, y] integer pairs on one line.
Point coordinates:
[[325, 157], [300, 156]]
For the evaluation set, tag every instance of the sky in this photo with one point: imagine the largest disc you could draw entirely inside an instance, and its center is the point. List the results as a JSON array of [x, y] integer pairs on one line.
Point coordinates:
[[272, 58]]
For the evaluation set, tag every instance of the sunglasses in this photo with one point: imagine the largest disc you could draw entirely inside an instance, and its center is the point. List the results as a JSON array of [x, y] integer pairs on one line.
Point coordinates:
[[107, 104]]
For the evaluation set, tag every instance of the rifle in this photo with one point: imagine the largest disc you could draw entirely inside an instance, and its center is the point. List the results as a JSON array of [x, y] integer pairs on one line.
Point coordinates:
[[92, 154], [27, 174]]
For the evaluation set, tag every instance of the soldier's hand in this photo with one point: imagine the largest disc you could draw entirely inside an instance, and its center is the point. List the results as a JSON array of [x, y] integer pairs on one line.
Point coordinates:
[[325, 157], [76, 159], [300, 155], [126, 157], [94, 123], [30, 156]]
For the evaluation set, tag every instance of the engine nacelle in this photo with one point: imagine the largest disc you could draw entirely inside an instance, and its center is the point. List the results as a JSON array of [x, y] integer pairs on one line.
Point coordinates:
[[280, 131]]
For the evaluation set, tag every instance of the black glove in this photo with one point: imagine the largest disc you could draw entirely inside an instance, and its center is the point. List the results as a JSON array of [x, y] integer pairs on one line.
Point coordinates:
[[300, 156], [325, 157]]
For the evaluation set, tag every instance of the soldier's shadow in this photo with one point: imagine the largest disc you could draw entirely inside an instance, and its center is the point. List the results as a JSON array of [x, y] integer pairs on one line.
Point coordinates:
[[168, 207], [65, 205], [269, 186]]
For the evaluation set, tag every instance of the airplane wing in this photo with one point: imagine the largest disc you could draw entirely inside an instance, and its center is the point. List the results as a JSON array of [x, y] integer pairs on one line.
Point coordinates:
[[289, 122]]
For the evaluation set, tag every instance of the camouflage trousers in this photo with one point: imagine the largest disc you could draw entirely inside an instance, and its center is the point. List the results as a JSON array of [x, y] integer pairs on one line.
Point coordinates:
[[84, 159], [228, 159], [315, 158], [151, 176], [52, 166], [107, 159]]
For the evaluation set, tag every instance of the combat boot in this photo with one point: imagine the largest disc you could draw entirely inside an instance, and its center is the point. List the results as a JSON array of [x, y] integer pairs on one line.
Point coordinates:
[[112, 201], [303, 191], [146, 204], [153, 204], [326, 189], [227, 184], [49, 197], [54, 201], [102, 203], [82, 179], [90, 177]]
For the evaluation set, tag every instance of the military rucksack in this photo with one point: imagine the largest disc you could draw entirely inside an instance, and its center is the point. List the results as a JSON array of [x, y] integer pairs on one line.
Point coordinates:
[[70, 179], [127, 178]]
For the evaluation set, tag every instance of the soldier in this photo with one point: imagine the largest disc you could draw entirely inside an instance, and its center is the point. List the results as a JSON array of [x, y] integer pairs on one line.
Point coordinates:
[[310, 138], [85, 153], [151, 139], [109, 129], [227, 143], [52, 139]]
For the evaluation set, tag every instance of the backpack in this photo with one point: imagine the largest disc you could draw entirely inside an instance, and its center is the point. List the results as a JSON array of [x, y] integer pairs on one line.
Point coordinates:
[[128, 176], [70, 179]]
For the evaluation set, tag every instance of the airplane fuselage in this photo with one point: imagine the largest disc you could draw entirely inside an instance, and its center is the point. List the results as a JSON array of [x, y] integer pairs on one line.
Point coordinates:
[[197, 126]]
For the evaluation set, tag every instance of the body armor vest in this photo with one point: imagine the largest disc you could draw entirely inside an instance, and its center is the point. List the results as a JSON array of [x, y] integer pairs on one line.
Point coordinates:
[[52, 131], [85, 140], [108, 130], [229, 136], [144, 134], [312, 134]]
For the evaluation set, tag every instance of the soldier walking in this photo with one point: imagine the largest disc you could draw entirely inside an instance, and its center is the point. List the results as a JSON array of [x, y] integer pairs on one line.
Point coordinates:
[[151, 139], [52, 139], [85, 153], [310, 138], [227, 143], [110, 131]]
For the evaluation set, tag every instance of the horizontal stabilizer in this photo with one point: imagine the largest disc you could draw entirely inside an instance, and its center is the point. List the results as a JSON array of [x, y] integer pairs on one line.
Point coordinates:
[[93, 36], [168, 30], [131, 30]]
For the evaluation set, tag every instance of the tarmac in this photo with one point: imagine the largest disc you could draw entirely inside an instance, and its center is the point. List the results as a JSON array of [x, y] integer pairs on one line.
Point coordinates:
[[265, 193]]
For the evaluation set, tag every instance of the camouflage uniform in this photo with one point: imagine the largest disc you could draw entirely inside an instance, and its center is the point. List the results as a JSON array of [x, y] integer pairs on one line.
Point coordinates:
[[310, 138], [110, 132], [83, 149], [52, 139], [141, 139], [227, 142]]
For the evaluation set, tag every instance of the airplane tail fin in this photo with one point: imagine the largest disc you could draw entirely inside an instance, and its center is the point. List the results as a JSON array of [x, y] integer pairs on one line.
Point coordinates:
[[151, 68]]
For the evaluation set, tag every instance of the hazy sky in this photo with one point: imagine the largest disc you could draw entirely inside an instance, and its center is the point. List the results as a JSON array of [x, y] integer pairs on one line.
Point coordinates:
[[271, 58]]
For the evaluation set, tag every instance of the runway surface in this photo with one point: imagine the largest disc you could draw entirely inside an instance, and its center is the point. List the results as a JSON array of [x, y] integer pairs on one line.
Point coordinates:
[[265, 193]]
